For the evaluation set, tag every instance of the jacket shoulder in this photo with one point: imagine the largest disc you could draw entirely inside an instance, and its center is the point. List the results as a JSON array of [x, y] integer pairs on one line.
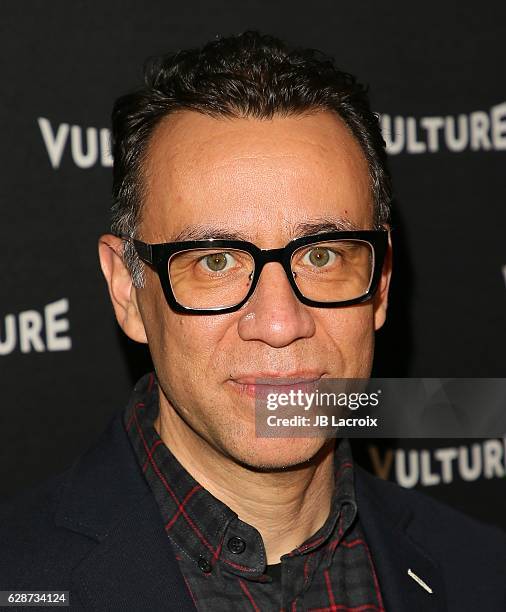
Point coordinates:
[[450, 536], [48, 529], [36, 552]]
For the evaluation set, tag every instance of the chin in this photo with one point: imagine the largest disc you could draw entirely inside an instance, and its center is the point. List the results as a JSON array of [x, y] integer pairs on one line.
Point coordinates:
[[272, 454]]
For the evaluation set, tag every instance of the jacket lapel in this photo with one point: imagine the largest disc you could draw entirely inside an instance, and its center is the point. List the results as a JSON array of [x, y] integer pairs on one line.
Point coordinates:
[[132, 566], [386, 527]]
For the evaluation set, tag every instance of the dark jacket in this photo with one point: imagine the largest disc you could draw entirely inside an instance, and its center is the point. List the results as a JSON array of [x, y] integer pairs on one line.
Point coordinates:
[[96, 531]]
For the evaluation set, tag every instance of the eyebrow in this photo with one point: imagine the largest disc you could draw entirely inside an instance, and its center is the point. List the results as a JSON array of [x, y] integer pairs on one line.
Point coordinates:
[[206, 232], [305, 228], [317, 226]]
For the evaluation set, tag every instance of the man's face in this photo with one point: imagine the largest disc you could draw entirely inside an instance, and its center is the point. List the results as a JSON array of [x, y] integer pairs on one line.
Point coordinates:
[[261, 179]]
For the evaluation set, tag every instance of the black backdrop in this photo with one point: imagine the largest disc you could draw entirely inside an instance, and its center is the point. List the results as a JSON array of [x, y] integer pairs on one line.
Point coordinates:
[[437, 76]]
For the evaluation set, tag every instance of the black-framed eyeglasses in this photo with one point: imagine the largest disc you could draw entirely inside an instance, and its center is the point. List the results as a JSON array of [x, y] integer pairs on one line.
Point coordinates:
[[325, 270]]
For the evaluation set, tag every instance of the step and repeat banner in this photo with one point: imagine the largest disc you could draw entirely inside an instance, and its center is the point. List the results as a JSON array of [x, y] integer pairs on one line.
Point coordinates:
[[437, 77]]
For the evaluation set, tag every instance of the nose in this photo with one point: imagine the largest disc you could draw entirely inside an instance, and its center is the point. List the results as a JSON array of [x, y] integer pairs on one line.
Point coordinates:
[[273, 314]]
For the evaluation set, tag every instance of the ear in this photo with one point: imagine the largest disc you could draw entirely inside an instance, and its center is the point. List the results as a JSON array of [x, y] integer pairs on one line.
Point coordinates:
[[123, 293], [381, 297]]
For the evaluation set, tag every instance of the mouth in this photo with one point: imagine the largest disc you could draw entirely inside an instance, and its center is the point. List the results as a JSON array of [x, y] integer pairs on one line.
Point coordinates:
[[262, 384]]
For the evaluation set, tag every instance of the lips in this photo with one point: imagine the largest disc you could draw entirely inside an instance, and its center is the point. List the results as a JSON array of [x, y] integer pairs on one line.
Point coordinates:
[[261, 384], [276, 378]]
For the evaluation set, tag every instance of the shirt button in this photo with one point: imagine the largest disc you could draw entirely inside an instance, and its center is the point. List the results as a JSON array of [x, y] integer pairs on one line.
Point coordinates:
[[236, 545], [204, 565]]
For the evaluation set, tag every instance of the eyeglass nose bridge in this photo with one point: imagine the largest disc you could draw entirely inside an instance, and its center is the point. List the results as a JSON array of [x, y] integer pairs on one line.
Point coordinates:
[[272, 255], [266, 256]]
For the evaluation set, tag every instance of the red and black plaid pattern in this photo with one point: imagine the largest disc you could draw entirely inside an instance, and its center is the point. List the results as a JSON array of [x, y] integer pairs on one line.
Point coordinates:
[[223, 559]]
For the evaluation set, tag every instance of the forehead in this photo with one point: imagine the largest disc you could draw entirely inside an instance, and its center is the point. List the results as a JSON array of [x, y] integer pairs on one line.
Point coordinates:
[[252, 176]]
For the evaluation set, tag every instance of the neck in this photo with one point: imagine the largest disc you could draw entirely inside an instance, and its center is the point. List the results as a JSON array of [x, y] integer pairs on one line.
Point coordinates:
[[286, 506]]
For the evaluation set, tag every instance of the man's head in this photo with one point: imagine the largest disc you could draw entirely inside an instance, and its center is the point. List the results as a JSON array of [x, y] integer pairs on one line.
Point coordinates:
[[247, 138]]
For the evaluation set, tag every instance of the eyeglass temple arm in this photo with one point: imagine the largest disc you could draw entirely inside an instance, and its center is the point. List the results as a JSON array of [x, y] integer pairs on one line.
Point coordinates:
[[143, 249]]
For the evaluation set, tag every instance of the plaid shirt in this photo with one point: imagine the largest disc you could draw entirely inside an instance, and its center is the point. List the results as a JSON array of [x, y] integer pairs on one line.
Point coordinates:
[[223, 559]]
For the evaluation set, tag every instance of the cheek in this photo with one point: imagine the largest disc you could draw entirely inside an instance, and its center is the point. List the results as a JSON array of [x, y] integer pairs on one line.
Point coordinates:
[[168, 332], [183, 347], [350, 324], [351, 333]]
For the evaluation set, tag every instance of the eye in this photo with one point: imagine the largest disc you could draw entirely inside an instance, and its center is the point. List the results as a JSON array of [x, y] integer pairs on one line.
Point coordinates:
[[217, 262], [319, 257]]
